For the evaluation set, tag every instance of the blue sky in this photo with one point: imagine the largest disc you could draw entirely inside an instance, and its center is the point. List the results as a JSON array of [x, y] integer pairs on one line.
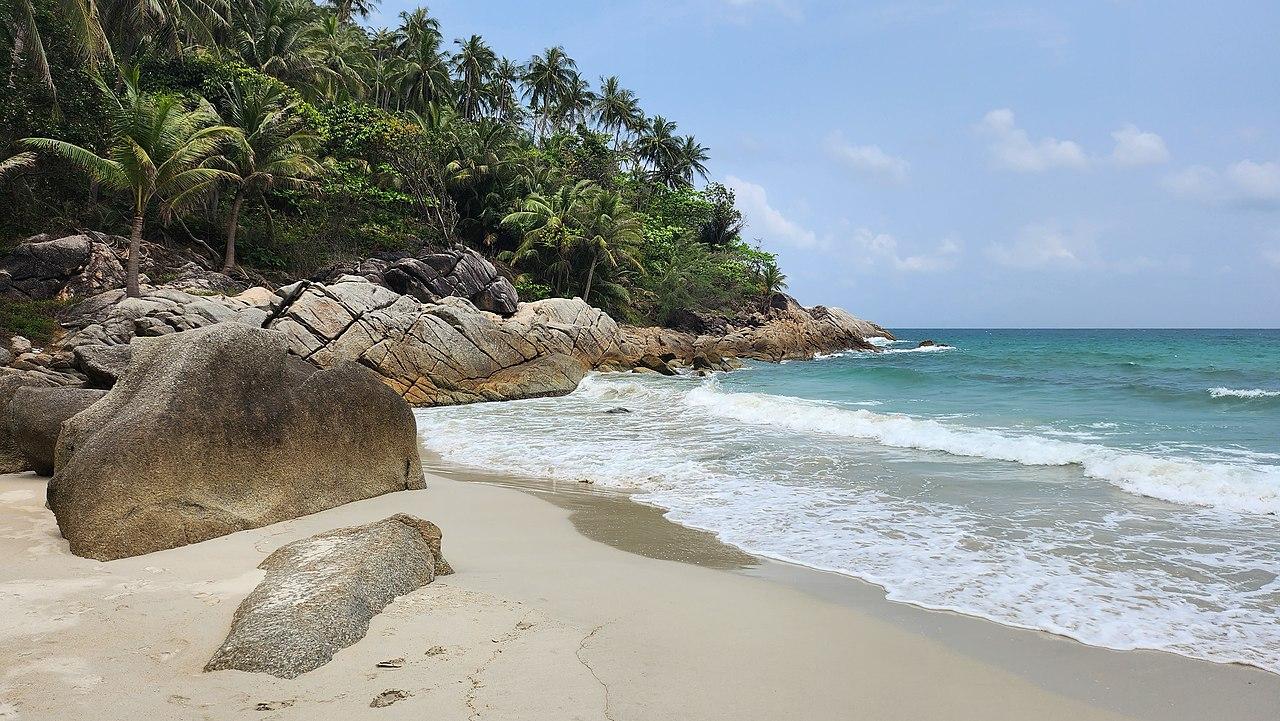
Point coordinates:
[[966, 164]]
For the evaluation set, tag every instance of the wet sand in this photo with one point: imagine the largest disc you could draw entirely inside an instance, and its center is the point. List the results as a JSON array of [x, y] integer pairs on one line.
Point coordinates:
[[589, 606]]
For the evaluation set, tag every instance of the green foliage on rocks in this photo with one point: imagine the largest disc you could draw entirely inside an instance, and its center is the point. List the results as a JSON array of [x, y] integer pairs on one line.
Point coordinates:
[[410, 141]]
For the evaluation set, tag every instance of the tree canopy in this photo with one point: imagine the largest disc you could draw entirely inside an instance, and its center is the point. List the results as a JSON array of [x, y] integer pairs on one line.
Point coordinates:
[[300, 137]]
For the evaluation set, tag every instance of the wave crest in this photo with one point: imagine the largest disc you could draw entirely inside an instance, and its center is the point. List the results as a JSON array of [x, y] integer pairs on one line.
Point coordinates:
[[1243, 393], [1235, 487]]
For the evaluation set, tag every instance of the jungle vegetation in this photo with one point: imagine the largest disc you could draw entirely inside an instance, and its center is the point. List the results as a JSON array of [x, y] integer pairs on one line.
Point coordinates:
[[282, 136]]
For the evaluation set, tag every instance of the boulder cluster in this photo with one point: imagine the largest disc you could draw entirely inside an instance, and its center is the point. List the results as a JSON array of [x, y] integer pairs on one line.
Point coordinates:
[[204, 407]]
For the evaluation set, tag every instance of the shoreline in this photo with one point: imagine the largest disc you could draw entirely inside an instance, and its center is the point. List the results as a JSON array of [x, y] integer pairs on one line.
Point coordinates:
[[561, 597], [1033, 654]]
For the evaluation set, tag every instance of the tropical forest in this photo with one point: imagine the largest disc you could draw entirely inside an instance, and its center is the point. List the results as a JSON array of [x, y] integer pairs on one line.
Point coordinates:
[[281, 137]]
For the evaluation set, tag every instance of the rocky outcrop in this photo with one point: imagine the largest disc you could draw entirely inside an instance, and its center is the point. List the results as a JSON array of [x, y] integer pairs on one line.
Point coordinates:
[[111, 319], [35, 416], [320, 594], [103, 364], [428, 277], [783, 331], [219, 429], [446, 352], [87, 264]]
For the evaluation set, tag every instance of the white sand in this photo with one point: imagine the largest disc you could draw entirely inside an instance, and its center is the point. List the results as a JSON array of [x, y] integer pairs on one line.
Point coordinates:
[[540, 622]]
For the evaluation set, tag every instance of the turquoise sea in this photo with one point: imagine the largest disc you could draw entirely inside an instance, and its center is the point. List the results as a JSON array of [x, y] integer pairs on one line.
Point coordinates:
[[1121, 487]]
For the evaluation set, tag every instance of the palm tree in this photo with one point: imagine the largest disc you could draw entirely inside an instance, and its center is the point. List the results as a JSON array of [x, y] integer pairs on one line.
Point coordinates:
[[272, 150], [612, 232], [424, 76], [20, 31], [550, 223], [771, 280], [341, 54], [617, 109], [473, 63], [159, 151], [575, 104], [502, 90], [548, 78], [275, 37], [136, 27], [346, 9], [692, 159]]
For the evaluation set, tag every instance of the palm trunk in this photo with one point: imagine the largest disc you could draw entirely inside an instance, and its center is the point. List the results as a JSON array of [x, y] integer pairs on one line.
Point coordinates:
[[591, 271], [233, 224], [135, 250]]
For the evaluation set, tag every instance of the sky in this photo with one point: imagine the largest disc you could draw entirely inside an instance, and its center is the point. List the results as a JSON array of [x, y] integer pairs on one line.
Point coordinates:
[[921, 163]]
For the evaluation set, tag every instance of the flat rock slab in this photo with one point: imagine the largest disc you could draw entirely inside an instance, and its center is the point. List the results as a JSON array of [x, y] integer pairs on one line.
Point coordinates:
[[321, 592]]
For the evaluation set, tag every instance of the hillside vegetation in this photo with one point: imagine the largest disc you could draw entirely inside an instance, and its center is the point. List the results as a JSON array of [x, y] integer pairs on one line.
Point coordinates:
[[280, 137]]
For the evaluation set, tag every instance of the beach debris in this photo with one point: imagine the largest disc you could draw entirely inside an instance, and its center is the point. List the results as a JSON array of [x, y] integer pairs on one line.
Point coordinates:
[[273, 705], [388, 697], [391, 663], [320, 594], [435, 651]]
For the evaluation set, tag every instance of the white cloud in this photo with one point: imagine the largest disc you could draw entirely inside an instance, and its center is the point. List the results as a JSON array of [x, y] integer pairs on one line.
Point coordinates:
[[753, 201], [868, 159], [1244, 183], [1045, 245], [882, 247], [1013, 149], [1134, 147]]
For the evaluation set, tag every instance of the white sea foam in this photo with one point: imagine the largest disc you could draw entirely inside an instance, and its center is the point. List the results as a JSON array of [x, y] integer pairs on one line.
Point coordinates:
[[770, 474], [757, 471], [1236, 487], [1243, 393]]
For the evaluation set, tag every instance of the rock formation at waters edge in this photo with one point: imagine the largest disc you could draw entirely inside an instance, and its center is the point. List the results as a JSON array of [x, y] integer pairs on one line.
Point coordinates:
[[320, 593], [220, 429], [392, 318]]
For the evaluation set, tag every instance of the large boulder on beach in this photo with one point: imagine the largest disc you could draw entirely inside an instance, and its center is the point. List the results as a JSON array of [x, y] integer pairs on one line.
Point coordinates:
[[11, 459], [219, 429], [320, 593], [35, 416], [445, 352]]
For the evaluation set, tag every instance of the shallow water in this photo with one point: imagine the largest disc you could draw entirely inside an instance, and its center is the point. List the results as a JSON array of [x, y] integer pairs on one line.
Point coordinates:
[[1118, 487]]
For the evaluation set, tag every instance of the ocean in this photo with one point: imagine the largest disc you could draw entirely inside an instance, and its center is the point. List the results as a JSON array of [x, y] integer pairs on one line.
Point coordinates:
[[1120, 487]]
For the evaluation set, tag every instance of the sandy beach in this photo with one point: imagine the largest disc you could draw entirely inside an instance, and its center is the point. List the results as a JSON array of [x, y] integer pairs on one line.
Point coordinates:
[[568, 603]]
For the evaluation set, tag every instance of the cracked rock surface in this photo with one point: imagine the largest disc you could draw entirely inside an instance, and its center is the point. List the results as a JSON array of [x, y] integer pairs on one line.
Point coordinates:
[[220, 429], [320, 593], [446, 352]]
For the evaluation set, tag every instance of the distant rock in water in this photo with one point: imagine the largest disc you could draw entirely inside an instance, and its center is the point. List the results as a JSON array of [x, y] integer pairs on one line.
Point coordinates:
[[926, 344], [320, 594], [217, 430], [783, 330], [618, 411]]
